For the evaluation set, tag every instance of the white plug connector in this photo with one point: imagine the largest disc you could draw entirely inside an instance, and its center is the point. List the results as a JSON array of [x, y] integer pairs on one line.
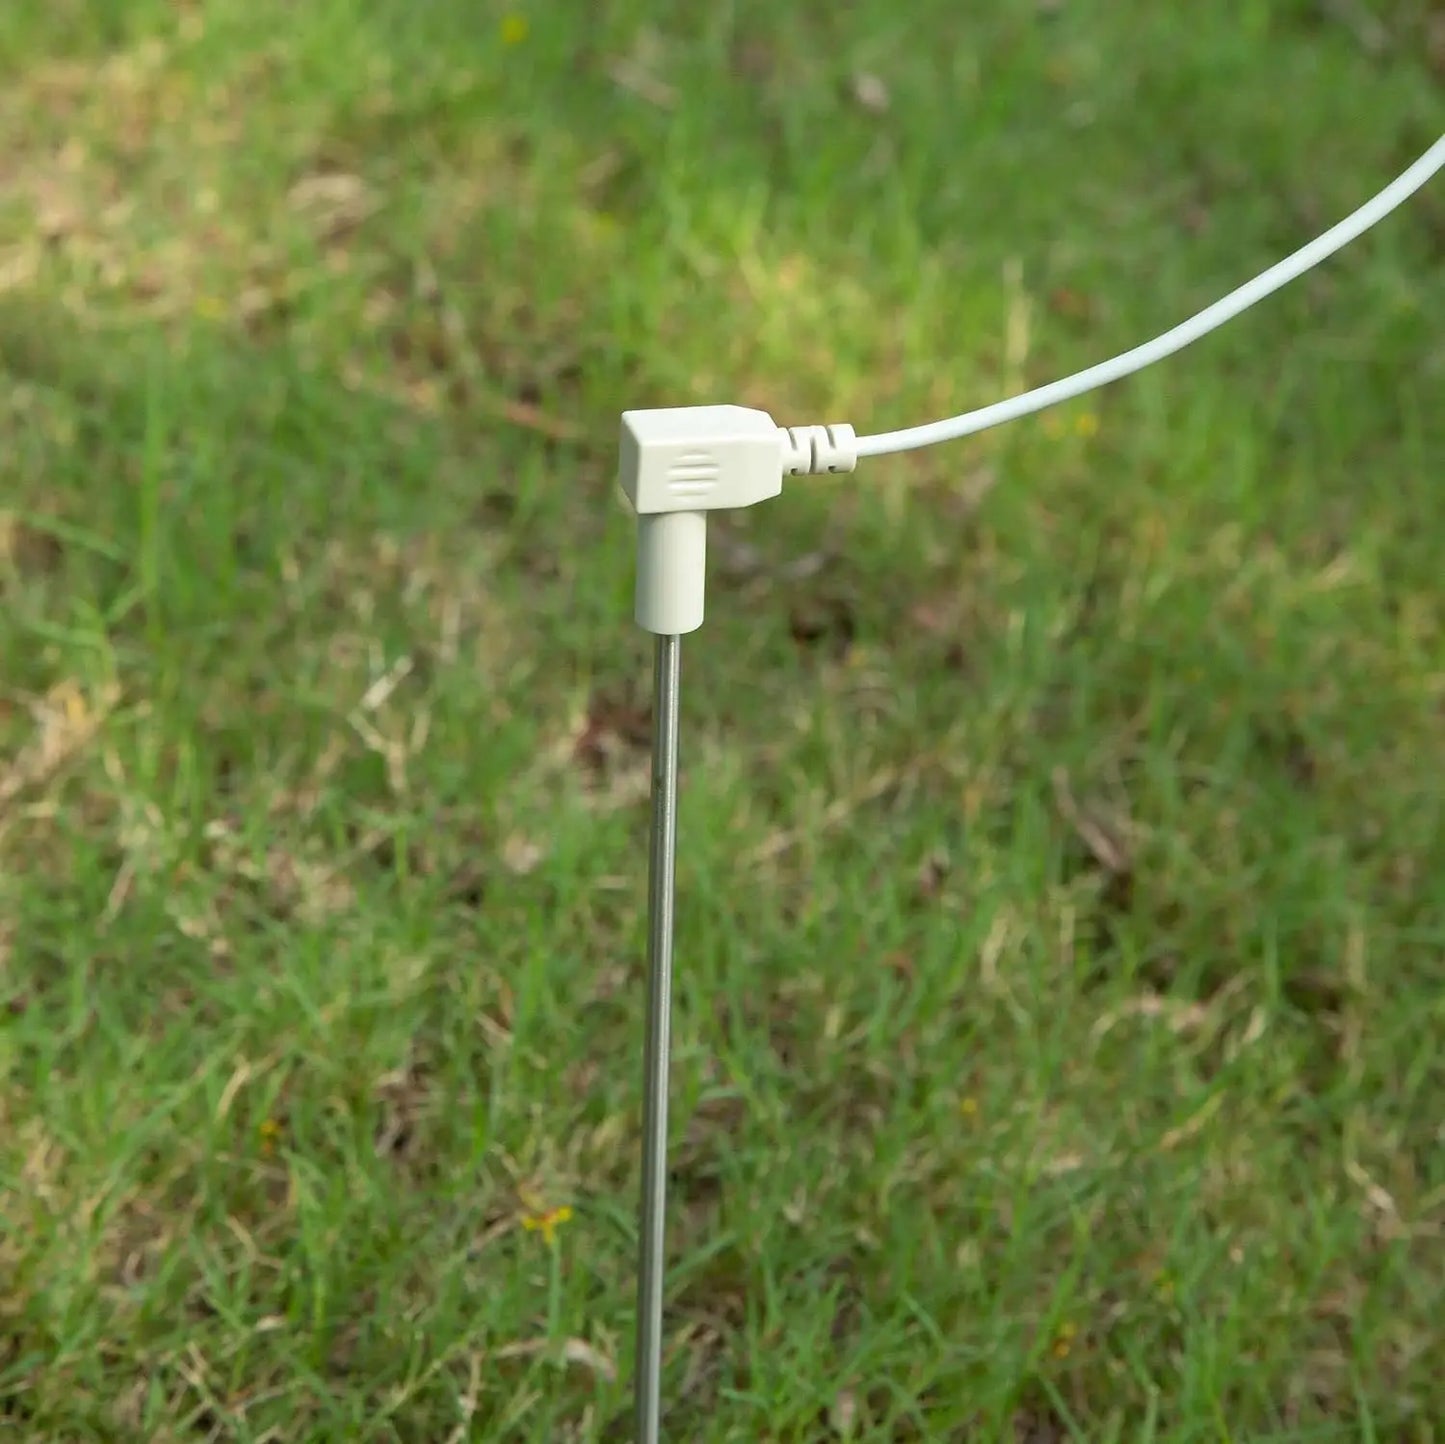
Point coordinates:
[[679, 463]]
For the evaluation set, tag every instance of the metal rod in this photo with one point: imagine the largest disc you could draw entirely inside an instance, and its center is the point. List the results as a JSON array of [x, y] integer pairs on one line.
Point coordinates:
[[662, 869]]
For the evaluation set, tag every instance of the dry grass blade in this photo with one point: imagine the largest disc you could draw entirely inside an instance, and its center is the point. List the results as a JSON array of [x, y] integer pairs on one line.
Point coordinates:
[[571, 1351], [1105, 843], [67, 720]]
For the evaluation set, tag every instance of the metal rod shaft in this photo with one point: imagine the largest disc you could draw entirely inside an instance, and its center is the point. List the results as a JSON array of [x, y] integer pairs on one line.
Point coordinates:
[[661, 874]]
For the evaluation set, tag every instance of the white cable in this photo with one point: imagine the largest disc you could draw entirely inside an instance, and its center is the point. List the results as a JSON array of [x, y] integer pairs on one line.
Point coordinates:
[[1221, 311]]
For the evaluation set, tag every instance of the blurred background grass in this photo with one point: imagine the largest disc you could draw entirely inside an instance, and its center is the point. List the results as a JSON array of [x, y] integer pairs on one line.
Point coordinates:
[[1061, 910]]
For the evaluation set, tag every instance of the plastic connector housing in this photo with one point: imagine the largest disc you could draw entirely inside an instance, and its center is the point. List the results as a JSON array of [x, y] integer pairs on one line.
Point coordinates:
[[699, 458], [675, 466], [679, 463]]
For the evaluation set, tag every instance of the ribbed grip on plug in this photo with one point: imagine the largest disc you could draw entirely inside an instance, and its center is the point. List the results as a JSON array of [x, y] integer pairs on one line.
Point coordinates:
[[813, 449]]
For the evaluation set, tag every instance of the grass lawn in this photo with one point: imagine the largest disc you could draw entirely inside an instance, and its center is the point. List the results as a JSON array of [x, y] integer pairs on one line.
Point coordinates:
[[1062, 877]]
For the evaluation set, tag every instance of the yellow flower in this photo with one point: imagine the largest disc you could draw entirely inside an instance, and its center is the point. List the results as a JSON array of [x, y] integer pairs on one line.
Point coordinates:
[[514, 29], [72, 699], [968, 1107], [547, 1222], [1087, 425], [1064, 1340], [270, 1131]]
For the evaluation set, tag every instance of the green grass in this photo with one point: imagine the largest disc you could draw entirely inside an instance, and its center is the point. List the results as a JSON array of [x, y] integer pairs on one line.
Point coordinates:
[[1061, 915]]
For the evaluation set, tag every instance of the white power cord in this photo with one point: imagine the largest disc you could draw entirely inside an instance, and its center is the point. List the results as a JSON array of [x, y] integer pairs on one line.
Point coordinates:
[[679, 463], [1225, 309]]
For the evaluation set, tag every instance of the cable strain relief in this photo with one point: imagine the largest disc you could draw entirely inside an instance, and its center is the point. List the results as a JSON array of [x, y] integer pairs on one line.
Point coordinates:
[[813, 449]]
